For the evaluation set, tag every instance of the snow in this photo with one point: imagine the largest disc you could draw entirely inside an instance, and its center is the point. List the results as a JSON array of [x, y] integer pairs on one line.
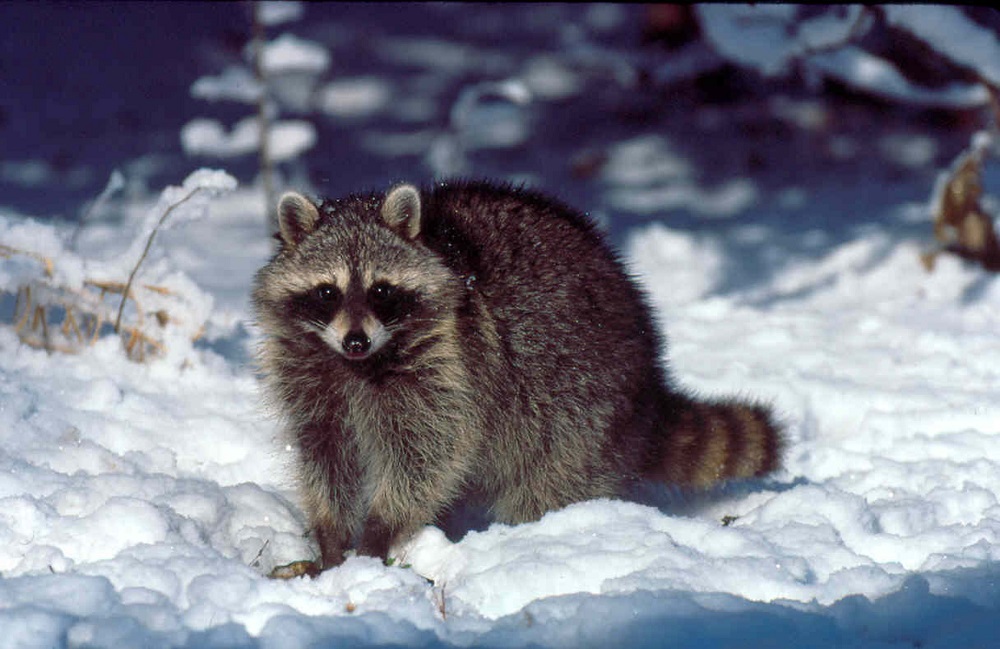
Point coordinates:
[[770, 38], [952, 34], [275, 13], [159, 496], [208, 137], [757, 35], [143, 504], [881, 78], [546, 77], [358, 97], [289, 52], [235, 83], [491, 115], [645, 177], [203, 136]]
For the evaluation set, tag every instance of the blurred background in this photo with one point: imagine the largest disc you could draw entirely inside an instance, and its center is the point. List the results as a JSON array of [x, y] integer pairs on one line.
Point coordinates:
[[702, 115]]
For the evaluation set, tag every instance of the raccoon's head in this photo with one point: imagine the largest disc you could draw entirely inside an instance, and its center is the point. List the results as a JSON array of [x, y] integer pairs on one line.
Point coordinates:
[[353, 277]]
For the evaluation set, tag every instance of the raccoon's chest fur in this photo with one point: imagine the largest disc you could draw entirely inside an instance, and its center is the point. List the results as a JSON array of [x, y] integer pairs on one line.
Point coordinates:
[[422, 344]]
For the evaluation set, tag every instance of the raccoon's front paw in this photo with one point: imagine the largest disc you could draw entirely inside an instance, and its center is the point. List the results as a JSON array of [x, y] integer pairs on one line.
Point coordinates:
[[376, 537], [332, 546]]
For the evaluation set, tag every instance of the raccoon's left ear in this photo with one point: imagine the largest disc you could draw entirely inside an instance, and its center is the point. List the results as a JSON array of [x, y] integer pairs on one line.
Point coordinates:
[[297, 217], [401, 210]]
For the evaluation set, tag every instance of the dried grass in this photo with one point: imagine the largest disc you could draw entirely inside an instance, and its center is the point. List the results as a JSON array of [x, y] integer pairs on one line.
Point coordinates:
[[62, 319]]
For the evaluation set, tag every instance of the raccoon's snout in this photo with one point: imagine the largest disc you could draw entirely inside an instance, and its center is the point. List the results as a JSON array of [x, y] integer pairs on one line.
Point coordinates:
[[352, 333], [356, 345]]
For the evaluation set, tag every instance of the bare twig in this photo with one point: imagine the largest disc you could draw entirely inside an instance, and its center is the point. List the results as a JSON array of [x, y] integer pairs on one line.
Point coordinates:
[[149, 243], [442, 604], [994, 103], [256, 560], [263, 119]]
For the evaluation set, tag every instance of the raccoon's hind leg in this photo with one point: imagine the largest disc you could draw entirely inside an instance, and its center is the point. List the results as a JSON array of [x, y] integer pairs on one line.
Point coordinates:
[[530, 500], [704, 442], [570, 467]]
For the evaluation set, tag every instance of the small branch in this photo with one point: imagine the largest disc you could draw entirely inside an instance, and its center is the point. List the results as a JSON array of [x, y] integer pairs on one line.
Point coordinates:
[[994, 103], [442, 603], [256, 560], [149, 242], [263, 119]]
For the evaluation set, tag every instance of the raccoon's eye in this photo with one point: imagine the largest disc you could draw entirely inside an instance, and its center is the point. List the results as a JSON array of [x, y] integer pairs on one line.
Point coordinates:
[[327, 293], [382, 292], [390, 303]]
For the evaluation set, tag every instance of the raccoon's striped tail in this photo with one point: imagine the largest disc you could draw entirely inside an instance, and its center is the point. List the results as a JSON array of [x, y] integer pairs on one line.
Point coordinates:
[[702, 443]]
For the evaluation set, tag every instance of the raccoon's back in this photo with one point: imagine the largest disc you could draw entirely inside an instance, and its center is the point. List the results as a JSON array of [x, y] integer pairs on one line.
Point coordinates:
[[526, 250], [569, 316]]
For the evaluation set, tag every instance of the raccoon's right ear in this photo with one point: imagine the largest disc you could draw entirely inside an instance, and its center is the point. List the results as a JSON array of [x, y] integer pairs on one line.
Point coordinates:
[[401, 210], [297, 217]]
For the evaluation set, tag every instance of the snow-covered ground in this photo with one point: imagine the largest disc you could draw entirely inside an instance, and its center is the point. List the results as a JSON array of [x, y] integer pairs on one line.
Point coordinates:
[[143, 504]]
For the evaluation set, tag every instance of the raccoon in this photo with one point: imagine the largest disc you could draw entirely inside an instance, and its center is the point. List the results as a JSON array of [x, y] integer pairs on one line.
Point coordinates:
[[479, 339]]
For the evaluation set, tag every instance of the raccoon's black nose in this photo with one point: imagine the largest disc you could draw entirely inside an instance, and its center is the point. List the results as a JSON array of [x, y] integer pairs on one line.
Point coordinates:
[[356, 344]]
